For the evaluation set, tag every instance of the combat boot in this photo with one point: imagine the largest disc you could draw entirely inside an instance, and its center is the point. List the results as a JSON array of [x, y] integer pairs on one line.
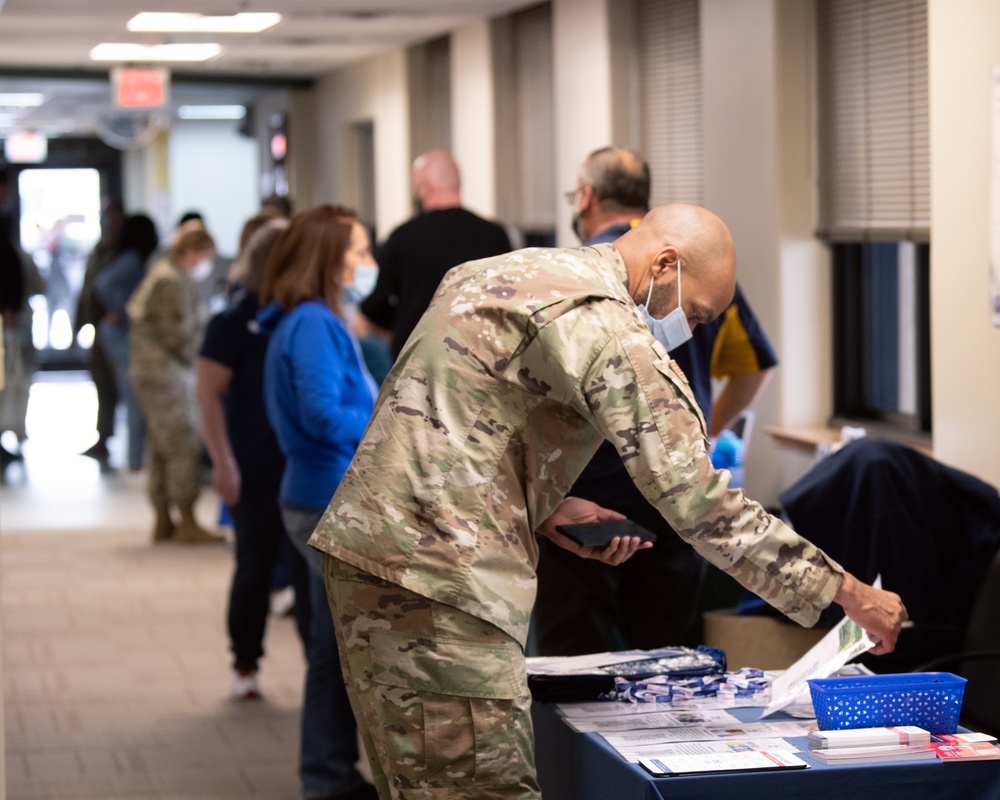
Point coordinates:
[[163, 528], [190, 532]]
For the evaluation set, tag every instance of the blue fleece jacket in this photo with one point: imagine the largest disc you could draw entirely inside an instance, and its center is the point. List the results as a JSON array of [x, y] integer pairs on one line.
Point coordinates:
[[318, 395]]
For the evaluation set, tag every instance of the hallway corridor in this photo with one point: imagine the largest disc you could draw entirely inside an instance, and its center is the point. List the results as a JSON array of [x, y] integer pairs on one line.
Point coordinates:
[[115, 660]]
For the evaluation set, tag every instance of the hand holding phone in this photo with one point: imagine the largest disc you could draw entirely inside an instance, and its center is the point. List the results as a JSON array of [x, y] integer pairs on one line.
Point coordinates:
[[613, 546], [600, 533]]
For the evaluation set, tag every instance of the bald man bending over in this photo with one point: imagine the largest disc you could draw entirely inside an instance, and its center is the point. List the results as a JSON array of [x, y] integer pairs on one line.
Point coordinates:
[[418, 253], [522, 365]]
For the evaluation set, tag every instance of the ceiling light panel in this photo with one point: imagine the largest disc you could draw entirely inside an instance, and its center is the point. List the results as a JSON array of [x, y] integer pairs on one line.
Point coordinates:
[[121, 51], [21, 99], [212, 112], [244, 22]]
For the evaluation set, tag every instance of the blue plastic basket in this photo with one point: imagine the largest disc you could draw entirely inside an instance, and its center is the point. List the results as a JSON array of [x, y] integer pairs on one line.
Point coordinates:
[[929, 700]]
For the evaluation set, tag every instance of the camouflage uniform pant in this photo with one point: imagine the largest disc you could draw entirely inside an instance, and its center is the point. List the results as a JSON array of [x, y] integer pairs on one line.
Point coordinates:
[[174, 449], [441, 697]]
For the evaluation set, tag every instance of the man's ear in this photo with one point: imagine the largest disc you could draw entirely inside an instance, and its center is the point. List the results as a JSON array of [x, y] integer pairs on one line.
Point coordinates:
[[665, 260], [587, 198]]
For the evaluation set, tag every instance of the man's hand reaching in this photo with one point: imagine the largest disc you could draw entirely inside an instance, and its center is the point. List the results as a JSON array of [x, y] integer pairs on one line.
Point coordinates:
[[880, 613]]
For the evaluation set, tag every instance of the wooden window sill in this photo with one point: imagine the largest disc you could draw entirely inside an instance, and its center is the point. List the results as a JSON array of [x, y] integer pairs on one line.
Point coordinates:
[[807, 438]]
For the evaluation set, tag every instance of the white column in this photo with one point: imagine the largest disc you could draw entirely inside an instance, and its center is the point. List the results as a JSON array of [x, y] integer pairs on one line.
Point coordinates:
[[582, 84], [757, 85], [965, 348], [472, 116]]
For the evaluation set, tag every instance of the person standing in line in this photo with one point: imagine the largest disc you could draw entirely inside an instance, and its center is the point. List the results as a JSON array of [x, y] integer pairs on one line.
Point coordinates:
[[419, 252], [588, 607], [15, 288], [247, 463], [521, 366], [237, 277], [89, 311], [11, 275], [166, 331], [113, 288], [319, 398], [19, 362]]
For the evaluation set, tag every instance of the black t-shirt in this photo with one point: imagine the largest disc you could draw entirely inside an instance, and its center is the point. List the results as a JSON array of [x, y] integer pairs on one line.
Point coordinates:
[[234, 340], [11, 272], [416, 257]]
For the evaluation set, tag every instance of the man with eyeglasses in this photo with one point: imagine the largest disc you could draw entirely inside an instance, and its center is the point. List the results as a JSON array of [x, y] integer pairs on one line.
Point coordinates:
[[584, 606]]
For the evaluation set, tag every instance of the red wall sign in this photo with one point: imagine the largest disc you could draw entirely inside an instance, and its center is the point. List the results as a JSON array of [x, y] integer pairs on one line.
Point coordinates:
[[144, 87]]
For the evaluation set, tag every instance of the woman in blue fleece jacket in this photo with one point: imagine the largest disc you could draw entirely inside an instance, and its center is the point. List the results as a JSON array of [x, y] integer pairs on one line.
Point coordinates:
[[319, 397]]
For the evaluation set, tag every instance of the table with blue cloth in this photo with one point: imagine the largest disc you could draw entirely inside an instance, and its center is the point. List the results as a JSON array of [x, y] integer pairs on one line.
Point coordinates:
[[582, 766]]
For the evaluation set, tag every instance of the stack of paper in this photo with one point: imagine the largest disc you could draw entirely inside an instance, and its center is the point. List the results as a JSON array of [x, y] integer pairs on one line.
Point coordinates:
[[866, 755], [865, 745], [869, 737]]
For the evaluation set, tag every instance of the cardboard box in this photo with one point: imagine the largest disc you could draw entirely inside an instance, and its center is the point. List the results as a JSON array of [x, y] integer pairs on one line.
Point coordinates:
[[758, 642]]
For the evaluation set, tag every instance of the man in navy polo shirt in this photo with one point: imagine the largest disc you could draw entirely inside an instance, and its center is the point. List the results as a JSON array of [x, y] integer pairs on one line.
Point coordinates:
[[651, 600]]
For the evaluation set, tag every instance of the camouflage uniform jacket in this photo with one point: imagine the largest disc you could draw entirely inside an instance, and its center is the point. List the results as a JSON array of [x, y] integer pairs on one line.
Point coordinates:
[[521, 366], [166, 325]]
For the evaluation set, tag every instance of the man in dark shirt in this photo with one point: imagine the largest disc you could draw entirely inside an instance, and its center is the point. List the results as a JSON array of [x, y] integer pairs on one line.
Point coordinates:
[[13, 297], [652, 600], [419, 252], [11, 273]]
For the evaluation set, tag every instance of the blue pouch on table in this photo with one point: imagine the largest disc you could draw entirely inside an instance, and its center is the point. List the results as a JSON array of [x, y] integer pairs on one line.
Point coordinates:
[[582, 678]]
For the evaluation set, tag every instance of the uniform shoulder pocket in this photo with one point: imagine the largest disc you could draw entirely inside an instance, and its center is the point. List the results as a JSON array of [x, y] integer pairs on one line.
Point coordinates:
[[675, 376]]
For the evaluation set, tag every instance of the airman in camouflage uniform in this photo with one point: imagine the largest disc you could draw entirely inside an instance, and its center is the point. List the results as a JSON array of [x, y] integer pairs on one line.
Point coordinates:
[[521, 366], [166, 331]]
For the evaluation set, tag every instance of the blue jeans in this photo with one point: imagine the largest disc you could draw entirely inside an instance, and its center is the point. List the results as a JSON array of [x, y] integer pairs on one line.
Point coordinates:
[[114, 340], [329, 746]]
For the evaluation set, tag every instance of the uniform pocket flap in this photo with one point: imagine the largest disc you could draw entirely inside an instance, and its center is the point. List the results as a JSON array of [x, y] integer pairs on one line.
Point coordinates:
[[446, 666]]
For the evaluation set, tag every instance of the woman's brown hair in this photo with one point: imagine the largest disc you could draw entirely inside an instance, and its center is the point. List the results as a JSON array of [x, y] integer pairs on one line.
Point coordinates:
[[250, 267], [307, 260]]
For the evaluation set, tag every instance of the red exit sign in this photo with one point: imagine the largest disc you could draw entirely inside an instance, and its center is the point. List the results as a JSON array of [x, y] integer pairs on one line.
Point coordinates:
[[140, 87]]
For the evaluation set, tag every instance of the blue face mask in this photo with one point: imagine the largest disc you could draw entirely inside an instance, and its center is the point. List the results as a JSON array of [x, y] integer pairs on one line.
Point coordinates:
[[365, 277], [673, 330]]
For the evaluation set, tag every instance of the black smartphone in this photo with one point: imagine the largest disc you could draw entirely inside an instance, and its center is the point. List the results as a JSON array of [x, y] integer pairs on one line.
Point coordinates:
[[598, 534]]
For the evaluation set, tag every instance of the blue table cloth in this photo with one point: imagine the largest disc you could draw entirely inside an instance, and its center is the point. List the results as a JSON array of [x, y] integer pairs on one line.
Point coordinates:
[[582, 766]]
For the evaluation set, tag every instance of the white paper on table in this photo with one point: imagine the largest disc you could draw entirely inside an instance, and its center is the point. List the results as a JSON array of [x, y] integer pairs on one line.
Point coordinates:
[[633, 754], [845, 641], [747, 730], [608, 708], [725, 762], [582, 665], [665, 719]]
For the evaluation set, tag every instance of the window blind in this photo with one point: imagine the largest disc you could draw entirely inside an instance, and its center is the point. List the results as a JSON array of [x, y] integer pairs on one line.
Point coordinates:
[[873, 114], [671, 138]]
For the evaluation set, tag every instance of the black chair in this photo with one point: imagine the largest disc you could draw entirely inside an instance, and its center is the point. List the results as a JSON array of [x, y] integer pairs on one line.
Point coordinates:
[[979, 660], [930, 531]]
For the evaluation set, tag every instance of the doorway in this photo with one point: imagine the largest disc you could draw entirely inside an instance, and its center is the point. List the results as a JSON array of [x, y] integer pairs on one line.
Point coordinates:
[[55, 219], [59, 226]]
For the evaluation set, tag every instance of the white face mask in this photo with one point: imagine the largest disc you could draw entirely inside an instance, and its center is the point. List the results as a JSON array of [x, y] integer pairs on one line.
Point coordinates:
[[201, 270], [365, 278], [673, 330]]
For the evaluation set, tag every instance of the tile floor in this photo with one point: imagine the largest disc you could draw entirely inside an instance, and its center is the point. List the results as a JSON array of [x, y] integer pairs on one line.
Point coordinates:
[[115, 662]]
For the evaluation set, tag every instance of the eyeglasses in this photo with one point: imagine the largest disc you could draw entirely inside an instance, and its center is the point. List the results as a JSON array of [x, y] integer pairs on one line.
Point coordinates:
[[571, 196]]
